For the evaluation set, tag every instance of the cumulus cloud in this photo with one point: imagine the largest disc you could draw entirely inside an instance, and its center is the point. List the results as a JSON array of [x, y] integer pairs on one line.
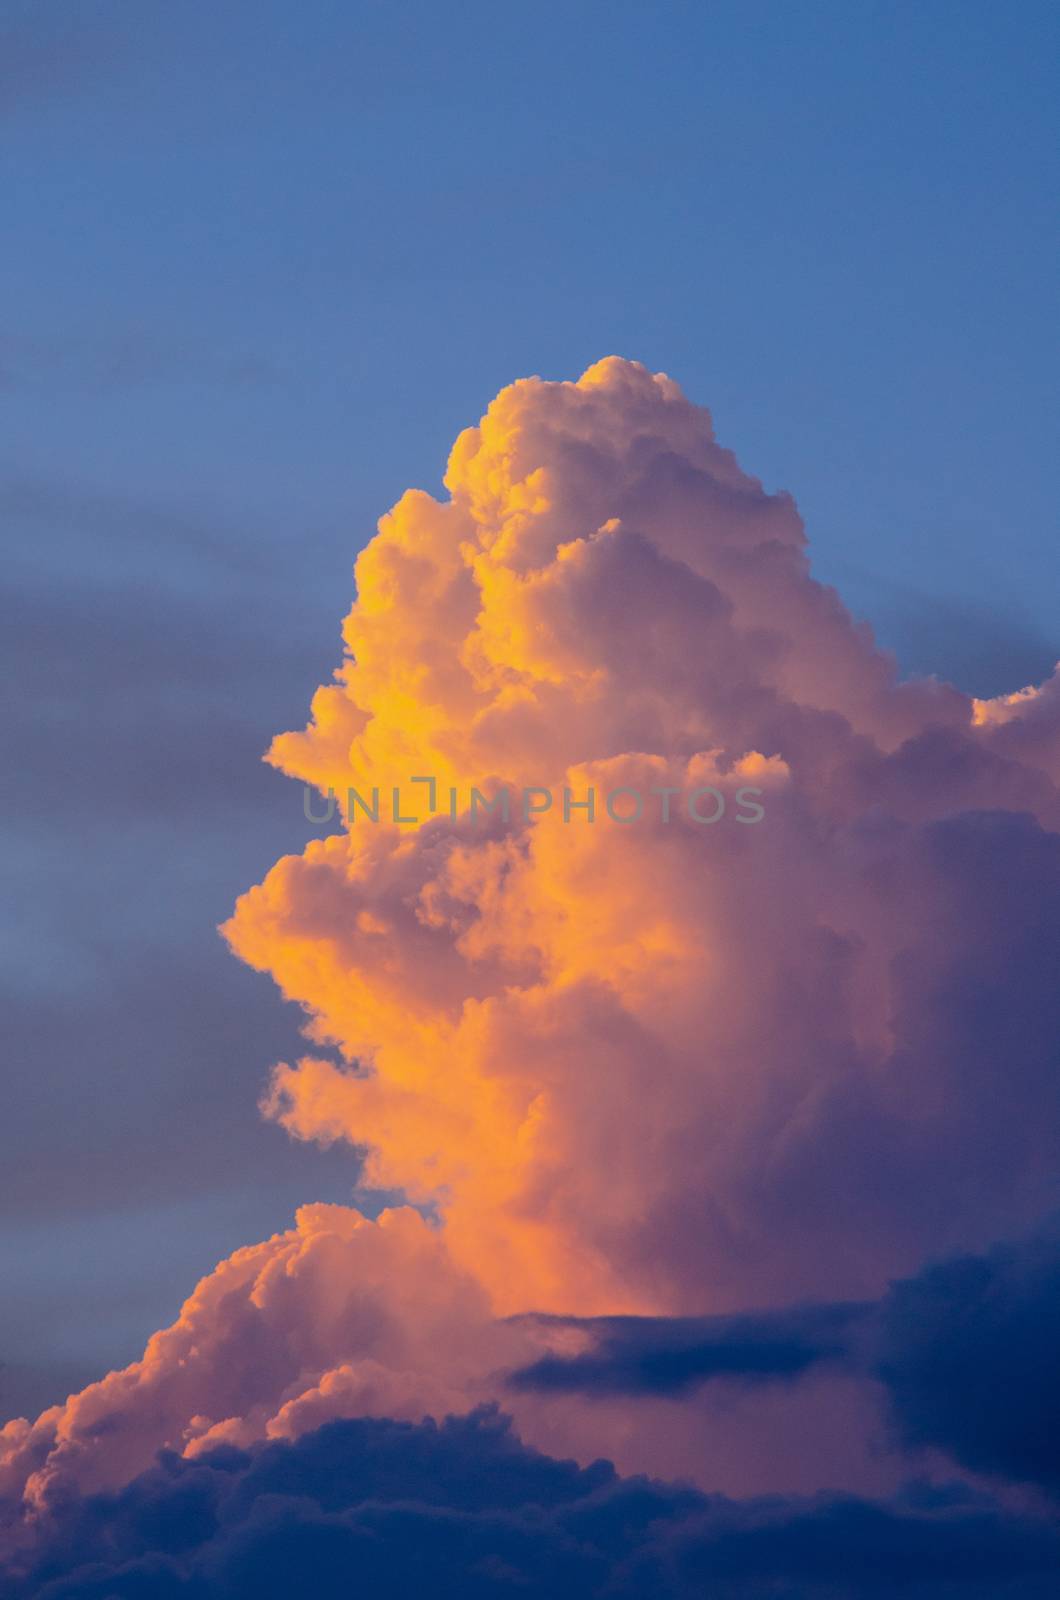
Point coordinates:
[[965, 1350], [341, 1317], [338, 1316], [466, 1510], [663, 1069]]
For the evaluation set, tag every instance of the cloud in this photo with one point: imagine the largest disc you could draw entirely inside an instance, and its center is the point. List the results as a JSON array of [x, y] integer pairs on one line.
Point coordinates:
[[967, 1350], [671, 1355], [662, 1070], [336, 1316], [1026, 725], [463, 1508]]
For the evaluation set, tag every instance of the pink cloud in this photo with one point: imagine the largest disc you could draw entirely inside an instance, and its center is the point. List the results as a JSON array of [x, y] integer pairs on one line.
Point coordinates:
[[669, 1067]]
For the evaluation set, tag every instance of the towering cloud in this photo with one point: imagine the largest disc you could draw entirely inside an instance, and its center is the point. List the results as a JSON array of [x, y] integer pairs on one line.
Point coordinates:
[[689, 1054], [662, 1065]]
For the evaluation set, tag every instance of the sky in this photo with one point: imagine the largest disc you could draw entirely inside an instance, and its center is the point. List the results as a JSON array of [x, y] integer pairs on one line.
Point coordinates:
[[262, 264]]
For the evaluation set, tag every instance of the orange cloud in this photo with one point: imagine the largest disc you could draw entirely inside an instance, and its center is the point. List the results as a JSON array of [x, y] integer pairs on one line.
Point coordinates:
[[361, 1318], [612, 1056], [673, 1065]]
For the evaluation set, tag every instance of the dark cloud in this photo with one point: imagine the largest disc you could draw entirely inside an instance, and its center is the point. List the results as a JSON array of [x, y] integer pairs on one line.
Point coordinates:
[[464, 1511], [668, 1355], [965, 1351], [968, 1351]]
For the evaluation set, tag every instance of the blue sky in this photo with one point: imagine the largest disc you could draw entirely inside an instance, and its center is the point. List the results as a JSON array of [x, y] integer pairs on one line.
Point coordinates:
[[261, 263]]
